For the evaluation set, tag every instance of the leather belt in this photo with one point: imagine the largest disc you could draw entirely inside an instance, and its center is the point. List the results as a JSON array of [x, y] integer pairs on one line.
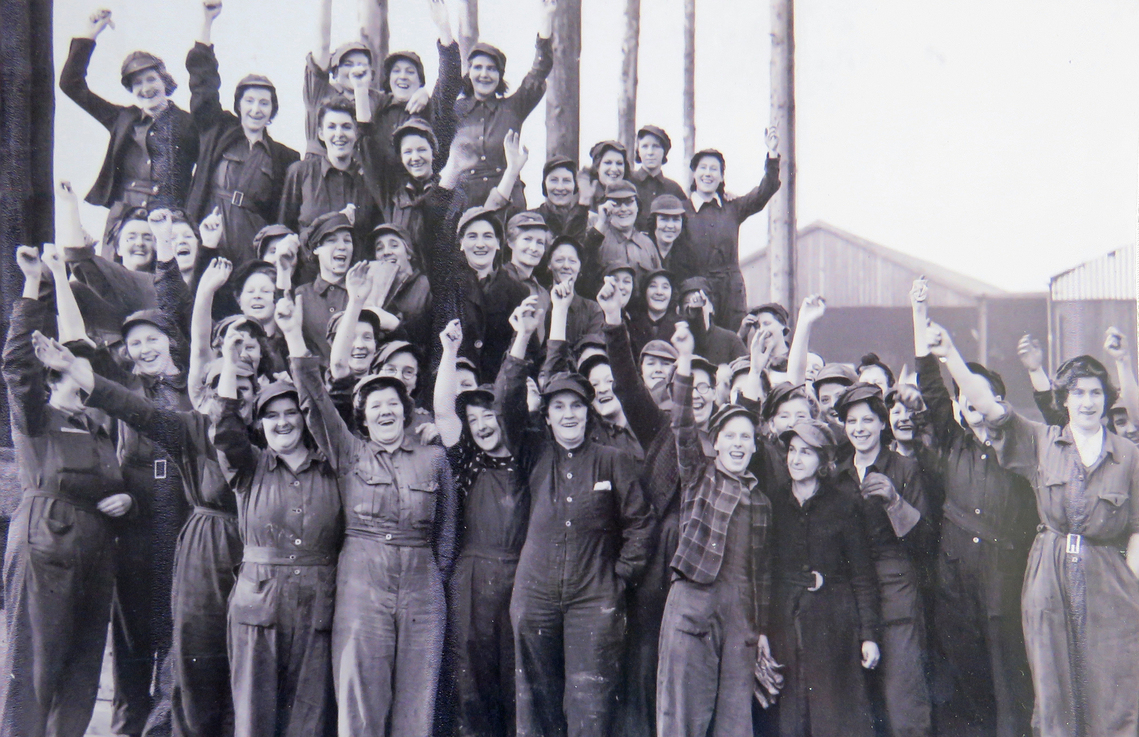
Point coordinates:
[[235, 197]]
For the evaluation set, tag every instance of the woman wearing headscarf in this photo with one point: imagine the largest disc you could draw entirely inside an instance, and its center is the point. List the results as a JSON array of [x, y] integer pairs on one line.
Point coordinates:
[[486, 113], [1080, 601], [714, 226], [154, 143]]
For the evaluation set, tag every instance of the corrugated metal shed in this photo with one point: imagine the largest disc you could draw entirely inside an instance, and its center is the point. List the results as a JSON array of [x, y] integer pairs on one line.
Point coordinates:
[[854, 272], [1111, 276]]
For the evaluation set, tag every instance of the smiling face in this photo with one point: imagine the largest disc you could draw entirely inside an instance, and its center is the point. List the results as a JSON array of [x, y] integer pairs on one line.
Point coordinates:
[[1086, 404], [283, 424], [564, 263], [483, 424], [404, 80], [611, 168], [703, 392], [735, 444], [561, 187], [384, 416], [566, 415], [339, 133], [864, 428], [392, 249], [335, 255], [528, 247], [624, 282], [363, 348], [480, 245], [901, 423], [605, 401], [256, 298], [485, 76], [417, 157], [136, 245], [185, 246], [658, 294], [789, 413], [654, 370], [708, 176], [828, 394], [149, 90], [651, 151], [802, 460], [149, 350], [255, 108], [668, 228], [403, 366], [352, 62]]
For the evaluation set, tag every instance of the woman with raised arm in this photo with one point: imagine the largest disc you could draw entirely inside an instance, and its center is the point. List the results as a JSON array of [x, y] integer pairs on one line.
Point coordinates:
[[154, 143], [1080, 600], [58, 566], [400, 505], [486, 113], [240, 168], [713, 226]]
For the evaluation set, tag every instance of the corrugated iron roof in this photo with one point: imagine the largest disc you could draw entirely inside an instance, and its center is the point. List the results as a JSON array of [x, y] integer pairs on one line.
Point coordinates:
[[1111, 276]]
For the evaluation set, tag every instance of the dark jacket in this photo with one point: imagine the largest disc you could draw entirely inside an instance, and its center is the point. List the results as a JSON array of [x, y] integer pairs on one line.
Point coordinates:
[[176, 137]]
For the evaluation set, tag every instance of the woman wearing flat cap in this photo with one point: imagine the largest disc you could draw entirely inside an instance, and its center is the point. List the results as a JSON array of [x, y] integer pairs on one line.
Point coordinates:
[[716, 617], [240, 169], [588, 541], [714, 226], [824, 603], [486, 113], [154, 143]]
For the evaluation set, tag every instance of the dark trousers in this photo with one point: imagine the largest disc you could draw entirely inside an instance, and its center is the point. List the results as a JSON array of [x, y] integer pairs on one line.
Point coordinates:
[[280, 651], [901, 674], [705, 675], [567, 651], [194, 698], [978, 601], [57, 591], [483, 645]]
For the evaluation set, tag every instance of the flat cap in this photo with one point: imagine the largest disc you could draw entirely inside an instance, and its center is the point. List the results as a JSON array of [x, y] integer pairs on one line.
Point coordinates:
[[480, 213], [273, 391], [860, 392], [346, 48], [656, 130], [812, 432], [527, 219], [392, 347], [598, 149], [726, 412], [837, 373], [391, 228], [418, 127], [558, 162], [695, 284], [660, 349], [667, 204], [567, 382], [493, 52], [157, 318], [136, 61], [777, 396], [266, 235], [776, 310], [706, 152], [324, 226], [621, 190]]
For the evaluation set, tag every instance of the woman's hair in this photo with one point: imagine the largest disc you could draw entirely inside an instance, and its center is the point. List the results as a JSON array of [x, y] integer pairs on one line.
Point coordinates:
[[116, 230], [334, 104], [178, 216], [871, 359], [596, 162], [799, 392], [652, 233], [723, 170], [1083, 367], [469, 88], [240, 92], [876, 404], [361, 401]]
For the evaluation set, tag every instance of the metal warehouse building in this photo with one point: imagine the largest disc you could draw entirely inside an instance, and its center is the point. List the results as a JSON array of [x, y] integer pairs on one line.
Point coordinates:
[[1087, 299]]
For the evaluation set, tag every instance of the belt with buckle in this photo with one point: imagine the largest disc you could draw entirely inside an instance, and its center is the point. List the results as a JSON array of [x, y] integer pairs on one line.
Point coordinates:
[[236, 198], [809, 580]]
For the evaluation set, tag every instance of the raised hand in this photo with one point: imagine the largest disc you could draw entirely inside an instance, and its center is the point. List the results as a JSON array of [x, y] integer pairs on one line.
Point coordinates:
[[870, 654], [289, 316], [586, 187], [604, 212], [546, 22], [349, 211], [382, 275], [286, 253], [51, 353], [610, 301], [54, 261], [919, 292], [161, 223], [682, 340], [525, 317], [940, 343], [1115, 345], [215, 276], [29, 262], [97, 22], [357, 283], [211, 9], [211, 229], [233, 344], [812, 309], [771, 138], [451, 338], [880, 487], [562, 295], [910, 396], [516, 154], [1030, 353], [761, 349]]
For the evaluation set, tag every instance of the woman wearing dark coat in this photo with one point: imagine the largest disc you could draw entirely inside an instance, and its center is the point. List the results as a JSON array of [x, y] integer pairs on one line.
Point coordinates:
[[825, 599], [153, 143], [240, 169]]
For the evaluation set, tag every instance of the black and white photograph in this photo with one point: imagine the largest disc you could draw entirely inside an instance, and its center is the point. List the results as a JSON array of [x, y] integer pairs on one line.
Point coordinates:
[[569, 368]]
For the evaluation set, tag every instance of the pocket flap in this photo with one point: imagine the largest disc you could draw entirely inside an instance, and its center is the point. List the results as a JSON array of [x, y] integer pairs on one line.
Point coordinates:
[[254, 602]]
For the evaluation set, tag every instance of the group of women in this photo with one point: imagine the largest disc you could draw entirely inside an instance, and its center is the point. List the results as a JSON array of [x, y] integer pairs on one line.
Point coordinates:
[[365, 441]]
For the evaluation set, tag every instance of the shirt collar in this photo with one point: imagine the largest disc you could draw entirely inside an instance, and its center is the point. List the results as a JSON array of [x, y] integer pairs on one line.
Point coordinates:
[[746, 479], [698, 200], [314, 456], [321, 287]]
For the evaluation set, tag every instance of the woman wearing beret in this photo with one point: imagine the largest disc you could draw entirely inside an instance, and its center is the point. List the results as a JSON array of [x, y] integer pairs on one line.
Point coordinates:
[[486, 113], [154, 143], [563, 209], [1080, 601], [653, 145], [714, 227], [240, 169], [824, 599]]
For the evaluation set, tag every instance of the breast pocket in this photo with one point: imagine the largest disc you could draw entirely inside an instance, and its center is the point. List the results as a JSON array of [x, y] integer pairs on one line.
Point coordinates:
[[254, 600], [374, 497], [597, 504], [423, 498]]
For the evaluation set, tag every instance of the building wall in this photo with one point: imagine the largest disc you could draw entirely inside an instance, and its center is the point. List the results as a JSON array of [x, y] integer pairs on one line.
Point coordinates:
[[1079, 327]]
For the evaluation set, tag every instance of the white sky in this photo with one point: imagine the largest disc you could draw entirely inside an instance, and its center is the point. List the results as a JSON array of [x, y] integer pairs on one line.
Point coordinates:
[[997, 138]]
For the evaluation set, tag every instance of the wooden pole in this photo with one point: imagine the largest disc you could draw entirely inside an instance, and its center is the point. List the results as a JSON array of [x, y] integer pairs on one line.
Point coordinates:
[[468, 34], [689, 82], [781, 210], [630, 48], [373, 16], [563, 96]]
